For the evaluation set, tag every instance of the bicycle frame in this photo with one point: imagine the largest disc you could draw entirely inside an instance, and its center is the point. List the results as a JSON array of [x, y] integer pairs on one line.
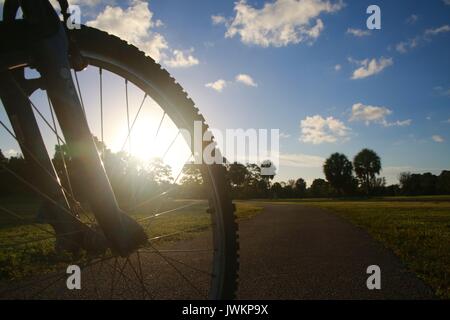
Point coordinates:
[[47, 45]]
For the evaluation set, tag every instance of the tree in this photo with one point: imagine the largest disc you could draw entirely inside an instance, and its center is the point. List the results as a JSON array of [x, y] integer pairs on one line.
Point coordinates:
[[378, 187], [255, 185], [300, 187], [320, 188], [288, 189], [419, 184], [9, 184], [2, 157], [253, 174], [428, 183], [291, 183], [444, 182], [404, 178], [160, 172], [191, 175], [277, 190], [192, 182], [392, 190], [367, 165], [338, 171], [237, 173]]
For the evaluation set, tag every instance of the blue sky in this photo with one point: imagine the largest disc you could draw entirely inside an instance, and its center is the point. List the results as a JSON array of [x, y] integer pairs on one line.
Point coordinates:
[[310, 68]]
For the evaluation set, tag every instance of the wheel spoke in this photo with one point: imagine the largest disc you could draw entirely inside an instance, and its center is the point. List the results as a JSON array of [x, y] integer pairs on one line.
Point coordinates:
[[168, 211], [170, 263], [100, 71], [79, 92], [164, 193], [122, 275], [134, 122], [51, 276], [22, 92], [171, 145], [126, 280], [63, 157], [34, 158], [160, 123], [181, 262], [11, 213], [128, 117], [139, 276], [113, 278], [50, 106], [36, 190]]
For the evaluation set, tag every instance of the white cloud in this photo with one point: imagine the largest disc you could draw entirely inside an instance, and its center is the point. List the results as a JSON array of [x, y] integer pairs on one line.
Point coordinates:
[[246, 79], [358, 32], [405, 46], [437, 138], [317, 130], [301, 160], [368, 114], [218, 85], [442, 91], [370, 67], [135, 25], [12, 153], [375, 114], [398, 123], [447, 2], [278, 23], [182, 59], [337, 67], [284, 135], [218, 19], [412, 18], [436, 31], [88, 3]]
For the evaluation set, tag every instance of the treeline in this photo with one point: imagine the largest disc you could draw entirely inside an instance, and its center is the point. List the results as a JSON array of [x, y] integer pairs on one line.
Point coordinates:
[[130, 179], [425, 184], [343, 178], [133, 181]]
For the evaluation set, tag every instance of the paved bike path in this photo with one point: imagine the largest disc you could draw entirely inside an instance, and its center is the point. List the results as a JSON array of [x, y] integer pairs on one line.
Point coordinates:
[[287, 252], [299, 252]]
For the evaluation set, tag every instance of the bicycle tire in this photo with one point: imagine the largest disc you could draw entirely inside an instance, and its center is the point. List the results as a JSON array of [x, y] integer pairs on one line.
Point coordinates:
[[102, 49], [181, 109]]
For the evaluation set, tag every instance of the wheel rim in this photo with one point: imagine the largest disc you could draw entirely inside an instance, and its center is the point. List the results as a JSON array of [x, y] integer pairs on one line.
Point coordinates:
[[120, 69]]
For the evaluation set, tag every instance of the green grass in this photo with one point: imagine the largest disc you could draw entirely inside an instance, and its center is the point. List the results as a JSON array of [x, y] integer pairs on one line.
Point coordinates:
[[361, 199], [417, 231], [18, 260]]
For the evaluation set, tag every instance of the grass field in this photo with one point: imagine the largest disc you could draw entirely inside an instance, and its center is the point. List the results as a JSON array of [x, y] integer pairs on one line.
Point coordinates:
[[417, 229], [27, 248]]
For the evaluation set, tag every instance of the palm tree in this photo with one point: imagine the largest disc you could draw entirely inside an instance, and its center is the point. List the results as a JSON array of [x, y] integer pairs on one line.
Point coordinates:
[[367, 164], [338, 171]]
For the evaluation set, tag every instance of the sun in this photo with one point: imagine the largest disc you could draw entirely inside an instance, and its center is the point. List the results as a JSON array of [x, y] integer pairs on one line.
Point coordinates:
[[147, 142]]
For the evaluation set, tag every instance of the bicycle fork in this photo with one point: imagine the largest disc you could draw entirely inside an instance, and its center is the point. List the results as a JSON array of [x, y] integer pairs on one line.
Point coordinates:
[[51, 58]]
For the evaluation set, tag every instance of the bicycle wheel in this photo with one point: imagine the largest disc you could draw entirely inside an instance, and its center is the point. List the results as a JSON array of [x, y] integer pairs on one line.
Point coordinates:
[[193, 249]]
